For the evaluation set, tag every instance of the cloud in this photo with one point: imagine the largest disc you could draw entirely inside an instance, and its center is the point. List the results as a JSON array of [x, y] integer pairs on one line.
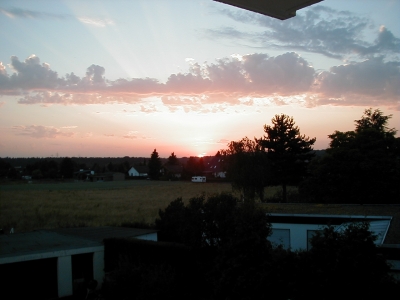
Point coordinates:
[[148, 109], [370, 82], [223, 141], [98, 22], [134, 135], [318, 29], [212, 87], [31, 14], [38, 132], [94, 74], [174, 103]]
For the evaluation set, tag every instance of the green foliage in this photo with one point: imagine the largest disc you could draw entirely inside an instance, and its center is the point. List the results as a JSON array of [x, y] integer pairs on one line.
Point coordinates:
[[361, 166], [154, 165]]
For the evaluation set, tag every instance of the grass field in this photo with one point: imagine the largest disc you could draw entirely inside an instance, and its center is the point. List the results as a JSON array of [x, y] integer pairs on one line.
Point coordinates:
[[28, 207]]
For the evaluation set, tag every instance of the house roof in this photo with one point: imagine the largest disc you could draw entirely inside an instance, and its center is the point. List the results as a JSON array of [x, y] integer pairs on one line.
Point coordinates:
[[274, 8], [141, 169], [214, 165], [98, 234], [47, 243], [344, 211]]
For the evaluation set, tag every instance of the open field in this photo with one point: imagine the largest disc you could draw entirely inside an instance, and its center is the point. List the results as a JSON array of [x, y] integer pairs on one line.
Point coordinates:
[[32, 206], [27, 207]]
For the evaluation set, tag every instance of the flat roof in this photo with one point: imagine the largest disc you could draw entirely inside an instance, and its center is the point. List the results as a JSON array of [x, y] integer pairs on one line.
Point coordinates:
[[57, 242]]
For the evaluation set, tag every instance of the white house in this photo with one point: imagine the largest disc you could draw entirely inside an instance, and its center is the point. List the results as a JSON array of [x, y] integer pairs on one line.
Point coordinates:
[[294, 231], [215, 168], [138, 171]]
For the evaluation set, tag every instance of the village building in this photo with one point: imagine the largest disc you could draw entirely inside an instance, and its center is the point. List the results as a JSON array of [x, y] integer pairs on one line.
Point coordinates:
[[138, 171]]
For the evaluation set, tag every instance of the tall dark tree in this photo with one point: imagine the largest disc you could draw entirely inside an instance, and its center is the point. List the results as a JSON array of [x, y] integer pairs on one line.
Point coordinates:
[[360, 166], [247, 167], [287, 150], [154, 165]]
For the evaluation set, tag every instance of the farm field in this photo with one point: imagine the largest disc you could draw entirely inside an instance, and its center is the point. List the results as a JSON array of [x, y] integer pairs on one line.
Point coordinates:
[[27, 207]]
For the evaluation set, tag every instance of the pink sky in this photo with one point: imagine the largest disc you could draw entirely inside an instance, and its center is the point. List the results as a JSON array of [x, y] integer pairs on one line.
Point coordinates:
[[192, 88]]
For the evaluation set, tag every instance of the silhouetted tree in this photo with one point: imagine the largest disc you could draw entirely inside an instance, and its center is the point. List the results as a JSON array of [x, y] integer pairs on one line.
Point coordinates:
[[194, 167], [343, 260], [172, 159], [218, 221], [287, 150], [247, 167], [360, 166], [154, 165]]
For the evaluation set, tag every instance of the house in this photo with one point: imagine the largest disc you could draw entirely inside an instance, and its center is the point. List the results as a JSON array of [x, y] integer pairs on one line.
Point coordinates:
[[48, 264], [138, 171], [294, 230], [214, 167], [83, 174]]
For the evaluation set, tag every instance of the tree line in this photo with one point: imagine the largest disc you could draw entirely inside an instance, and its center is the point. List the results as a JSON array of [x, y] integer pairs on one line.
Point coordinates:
[[63, 167], [360, 166]]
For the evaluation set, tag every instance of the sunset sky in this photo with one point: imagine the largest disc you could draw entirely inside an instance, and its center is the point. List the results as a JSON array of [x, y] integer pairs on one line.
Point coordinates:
[[121, 78]]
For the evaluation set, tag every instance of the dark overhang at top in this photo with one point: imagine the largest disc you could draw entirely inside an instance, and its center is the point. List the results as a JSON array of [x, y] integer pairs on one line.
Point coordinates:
[[279, 9]]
